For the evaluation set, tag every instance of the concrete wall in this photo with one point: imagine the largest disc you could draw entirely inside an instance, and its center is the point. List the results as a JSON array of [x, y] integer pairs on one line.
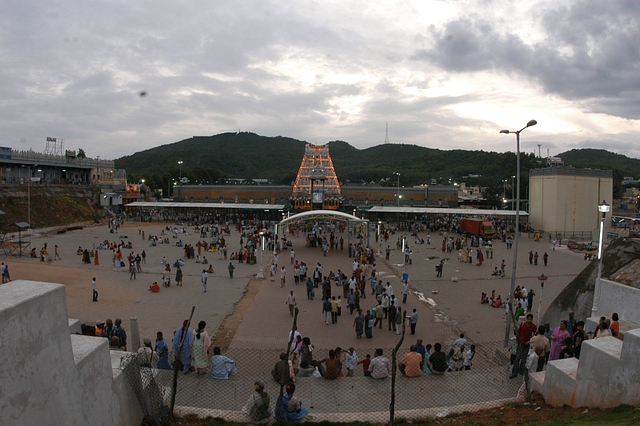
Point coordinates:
[[48, 373], [621, 299], [565, 200]]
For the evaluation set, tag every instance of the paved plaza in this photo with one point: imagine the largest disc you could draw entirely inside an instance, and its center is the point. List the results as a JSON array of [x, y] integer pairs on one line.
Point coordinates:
[[266, 322]]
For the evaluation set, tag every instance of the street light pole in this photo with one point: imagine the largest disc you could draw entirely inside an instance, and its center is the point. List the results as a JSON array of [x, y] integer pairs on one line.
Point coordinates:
[[398, 174], [542, 278], [180, 178], [517, 228], [604, 209]]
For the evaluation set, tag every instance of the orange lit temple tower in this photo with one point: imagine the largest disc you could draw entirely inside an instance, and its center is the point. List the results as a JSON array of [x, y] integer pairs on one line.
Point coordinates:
[[316, 186]]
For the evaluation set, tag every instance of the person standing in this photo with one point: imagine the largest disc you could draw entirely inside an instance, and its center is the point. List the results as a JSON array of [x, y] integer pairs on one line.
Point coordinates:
[[358, 324], [93, 287], [326, 310], [132, 271], [163, 352], [413, 320], [204, 279], [119, 332], [387, 252], [231, 268], [178, 275], [405, 291], [535, 259], [201, 345], [545, 258], [283, 276], [398, 320], [291, 302], [56, 254], [524, 334], [292, 255], [391, 318], [334, 310], [181, 333]]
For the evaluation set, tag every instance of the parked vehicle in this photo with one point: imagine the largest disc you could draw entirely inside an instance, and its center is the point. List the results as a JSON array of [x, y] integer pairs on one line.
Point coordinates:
[[478, 227]]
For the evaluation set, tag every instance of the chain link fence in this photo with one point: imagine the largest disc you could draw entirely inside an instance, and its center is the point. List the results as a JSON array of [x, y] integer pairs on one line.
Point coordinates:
[[481, 383]]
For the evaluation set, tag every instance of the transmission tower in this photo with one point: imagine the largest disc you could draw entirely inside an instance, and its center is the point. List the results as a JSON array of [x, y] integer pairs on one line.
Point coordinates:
[[386, 136]]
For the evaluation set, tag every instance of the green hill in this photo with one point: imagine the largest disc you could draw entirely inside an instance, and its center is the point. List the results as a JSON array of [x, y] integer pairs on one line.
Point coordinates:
[[210, 159]]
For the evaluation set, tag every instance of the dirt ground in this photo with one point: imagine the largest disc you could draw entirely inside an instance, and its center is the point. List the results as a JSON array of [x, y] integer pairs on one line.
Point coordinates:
[[522, 413]]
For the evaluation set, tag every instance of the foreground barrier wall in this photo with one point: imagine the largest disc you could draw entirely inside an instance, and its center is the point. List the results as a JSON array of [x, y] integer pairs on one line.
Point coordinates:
[[45, 372]]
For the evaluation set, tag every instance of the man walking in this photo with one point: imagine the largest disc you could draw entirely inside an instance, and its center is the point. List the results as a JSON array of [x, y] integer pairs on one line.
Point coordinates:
[[413, 320], [205, 278], [405, 291], [283, 276], [291, 302], [95, 292]]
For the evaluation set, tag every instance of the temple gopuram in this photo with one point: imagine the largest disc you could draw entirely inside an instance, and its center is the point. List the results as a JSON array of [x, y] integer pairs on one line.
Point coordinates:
[[316, 184]]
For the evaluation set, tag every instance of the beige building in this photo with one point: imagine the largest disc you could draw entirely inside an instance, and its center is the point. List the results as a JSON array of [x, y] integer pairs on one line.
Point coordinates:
[[564, 200]]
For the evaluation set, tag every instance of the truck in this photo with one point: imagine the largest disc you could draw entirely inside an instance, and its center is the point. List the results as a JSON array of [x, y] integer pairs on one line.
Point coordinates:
[[478, 227]]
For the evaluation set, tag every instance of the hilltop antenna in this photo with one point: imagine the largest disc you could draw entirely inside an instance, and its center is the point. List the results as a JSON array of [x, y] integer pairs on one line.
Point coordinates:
[[386, 136]]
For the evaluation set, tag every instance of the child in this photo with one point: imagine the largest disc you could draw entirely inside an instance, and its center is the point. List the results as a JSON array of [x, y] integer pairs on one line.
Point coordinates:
[[365, 364], [567, 351], [578, 337], [468, 358]]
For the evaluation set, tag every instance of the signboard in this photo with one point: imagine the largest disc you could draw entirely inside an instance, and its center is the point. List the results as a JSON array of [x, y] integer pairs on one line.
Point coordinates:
[[5, 153], [317, 197]]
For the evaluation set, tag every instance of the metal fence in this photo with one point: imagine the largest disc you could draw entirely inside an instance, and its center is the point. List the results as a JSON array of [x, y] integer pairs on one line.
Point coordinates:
[[484, 384]]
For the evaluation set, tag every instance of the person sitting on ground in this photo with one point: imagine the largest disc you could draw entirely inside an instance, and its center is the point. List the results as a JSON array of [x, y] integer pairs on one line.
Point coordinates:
[[257, 408], [410, 364], [495, 272], [288, 407], [283, 372], [379, 367], [498, 302], [333, 366], [155, 288], [221, 366], [437, 362]]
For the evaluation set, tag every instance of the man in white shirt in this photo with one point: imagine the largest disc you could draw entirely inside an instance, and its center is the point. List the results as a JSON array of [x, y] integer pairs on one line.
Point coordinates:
[[405, 291]]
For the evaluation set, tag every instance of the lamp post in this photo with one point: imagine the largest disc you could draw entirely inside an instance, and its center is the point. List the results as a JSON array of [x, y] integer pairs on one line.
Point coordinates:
[[180, 180], [542, 278], [512, 178], [517, 230], [604, 209], [398, 174]]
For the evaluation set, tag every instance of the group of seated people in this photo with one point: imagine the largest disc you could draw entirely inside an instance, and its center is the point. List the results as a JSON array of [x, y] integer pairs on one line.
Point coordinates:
[[491, 300]]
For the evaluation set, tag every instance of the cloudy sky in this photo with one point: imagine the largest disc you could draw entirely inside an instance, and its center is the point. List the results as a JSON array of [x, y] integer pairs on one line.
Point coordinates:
[[443, 74]]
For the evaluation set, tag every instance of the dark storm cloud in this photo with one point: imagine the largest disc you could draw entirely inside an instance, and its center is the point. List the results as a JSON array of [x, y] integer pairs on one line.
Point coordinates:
[[591, 53]]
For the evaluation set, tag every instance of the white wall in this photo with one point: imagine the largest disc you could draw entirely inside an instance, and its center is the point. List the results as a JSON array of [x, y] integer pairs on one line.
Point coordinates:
[[47, 374]]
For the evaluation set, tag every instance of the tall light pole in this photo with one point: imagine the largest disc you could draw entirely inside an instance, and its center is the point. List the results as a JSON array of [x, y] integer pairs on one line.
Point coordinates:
[[604, 209], [180, 181], [512, 178], [517, 228], [542, 278], [398, 174]]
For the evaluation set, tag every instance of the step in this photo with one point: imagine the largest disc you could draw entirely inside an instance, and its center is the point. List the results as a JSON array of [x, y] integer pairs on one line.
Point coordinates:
[[599, 358], [536, 381], [560, 381]]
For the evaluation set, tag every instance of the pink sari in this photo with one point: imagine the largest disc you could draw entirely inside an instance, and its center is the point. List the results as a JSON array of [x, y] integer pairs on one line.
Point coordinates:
[[557, 342]]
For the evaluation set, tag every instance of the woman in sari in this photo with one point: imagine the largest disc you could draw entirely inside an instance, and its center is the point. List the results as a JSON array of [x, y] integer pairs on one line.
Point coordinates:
[[257, 408], [557, 340], [358, 323]]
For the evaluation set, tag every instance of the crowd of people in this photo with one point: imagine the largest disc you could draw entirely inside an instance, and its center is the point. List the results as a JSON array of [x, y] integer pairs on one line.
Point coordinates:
[[544, 343]]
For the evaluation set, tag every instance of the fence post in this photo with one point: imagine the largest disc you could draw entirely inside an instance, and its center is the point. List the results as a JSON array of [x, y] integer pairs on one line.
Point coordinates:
[[294, 327], [393, 374], [175, 362]]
